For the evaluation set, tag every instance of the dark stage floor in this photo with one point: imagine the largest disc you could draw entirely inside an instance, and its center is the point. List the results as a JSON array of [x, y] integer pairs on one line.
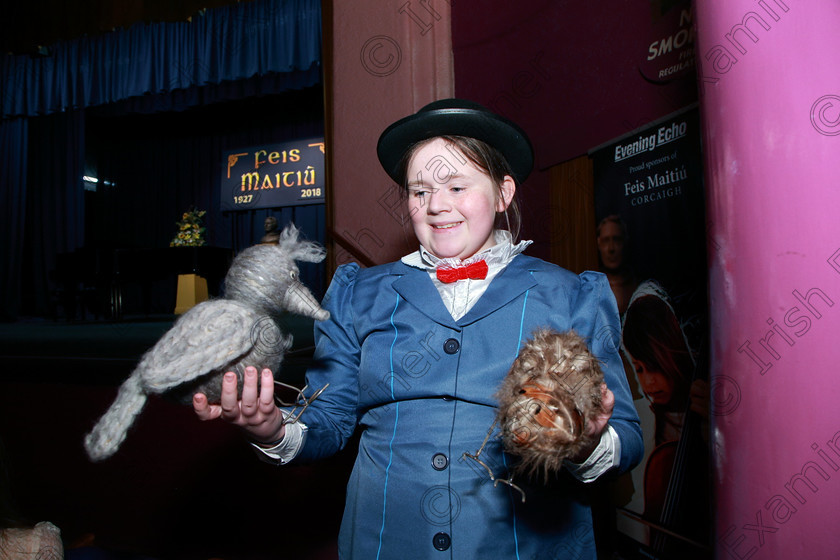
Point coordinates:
[[109, 348], [177, 488]]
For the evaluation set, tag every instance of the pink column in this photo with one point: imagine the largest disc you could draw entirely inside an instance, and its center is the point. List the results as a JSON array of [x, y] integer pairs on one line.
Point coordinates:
[[770, 103]]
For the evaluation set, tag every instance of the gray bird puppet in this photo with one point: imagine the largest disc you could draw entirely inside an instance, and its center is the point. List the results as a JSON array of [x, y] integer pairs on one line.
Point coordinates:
[[219, 335], [549, 396]]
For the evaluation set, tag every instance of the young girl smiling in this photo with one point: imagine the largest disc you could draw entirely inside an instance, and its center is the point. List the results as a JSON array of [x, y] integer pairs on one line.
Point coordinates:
[[414, 351]]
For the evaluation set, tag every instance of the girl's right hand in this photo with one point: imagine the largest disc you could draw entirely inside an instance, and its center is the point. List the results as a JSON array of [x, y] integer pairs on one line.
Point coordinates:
[[256, 413]]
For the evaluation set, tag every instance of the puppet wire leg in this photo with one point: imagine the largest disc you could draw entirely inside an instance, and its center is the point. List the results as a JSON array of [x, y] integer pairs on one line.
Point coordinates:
[[302, 401], [476, 457]]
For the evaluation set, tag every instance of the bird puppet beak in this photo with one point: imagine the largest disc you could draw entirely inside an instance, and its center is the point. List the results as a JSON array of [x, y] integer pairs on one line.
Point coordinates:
[[298, 299]]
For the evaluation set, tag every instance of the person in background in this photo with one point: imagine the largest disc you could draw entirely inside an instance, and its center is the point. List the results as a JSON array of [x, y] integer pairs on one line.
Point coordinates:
[[20, 539], [612, 240], [659, 352], [677, 467]]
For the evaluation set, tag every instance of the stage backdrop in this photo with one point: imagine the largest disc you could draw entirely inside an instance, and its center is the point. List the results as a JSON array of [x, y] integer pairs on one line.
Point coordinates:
[[649, 206]]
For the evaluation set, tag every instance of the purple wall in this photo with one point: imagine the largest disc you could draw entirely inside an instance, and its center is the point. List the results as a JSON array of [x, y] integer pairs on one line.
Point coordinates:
[[569, 73]]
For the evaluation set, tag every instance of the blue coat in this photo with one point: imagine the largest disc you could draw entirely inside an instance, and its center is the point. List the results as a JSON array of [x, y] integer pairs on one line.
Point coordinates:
[[420, 386]]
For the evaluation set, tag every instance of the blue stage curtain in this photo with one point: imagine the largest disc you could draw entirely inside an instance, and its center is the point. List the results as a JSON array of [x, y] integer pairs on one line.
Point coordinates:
[[164, 163], [13, 142], [225, 44], [251, 49], [55, 207], [197, 96]]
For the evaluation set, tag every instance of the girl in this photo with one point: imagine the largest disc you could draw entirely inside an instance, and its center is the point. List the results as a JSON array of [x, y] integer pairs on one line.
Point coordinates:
[[414, 351]]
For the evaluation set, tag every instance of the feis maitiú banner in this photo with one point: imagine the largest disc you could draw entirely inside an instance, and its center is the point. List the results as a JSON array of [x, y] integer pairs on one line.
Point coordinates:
[[651, 238], [273, 175]]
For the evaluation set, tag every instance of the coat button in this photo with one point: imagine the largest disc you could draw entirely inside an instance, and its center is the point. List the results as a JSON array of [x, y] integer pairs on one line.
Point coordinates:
[[451, 346], [441, 541], [439, 461]]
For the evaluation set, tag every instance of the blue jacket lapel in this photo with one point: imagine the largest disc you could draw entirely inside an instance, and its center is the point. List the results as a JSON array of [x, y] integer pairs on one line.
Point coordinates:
[[415, 286], [508, 285]]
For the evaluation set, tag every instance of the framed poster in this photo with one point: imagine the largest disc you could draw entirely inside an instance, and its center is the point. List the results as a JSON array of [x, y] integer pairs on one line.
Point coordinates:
[[273, 175], [650, 215]]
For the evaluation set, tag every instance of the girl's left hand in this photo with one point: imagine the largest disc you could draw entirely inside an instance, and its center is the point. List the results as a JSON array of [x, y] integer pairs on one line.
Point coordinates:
[[598, 424]]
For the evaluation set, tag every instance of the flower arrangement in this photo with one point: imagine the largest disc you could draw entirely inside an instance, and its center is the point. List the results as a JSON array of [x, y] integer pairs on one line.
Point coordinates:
[[190, 231]]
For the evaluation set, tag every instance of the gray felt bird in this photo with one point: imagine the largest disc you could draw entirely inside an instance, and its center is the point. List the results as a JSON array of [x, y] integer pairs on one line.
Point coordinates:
[[219, 335]]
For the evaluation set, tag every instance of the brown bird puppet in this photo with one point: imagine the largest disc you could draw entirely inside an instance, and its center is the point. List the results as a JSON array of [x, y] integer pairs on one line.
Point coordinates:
[[550, 394], [220, 335]]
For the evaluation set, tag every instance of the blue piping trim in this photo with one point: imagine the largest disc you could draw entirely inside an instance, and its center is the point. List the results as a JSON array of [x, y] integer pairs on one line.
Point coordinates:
[[393, 435], [504, 458], [521, 323]]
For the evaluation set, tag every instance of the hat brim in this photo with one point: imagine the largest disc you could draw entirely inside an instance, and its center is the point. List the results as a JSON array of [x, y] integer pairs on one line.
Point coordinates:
[[488, 127]]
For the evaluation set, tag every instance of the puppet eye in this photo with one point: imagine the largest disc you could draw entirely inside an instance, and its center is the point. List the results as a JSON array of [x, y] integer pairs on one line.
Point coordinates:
[[293, 274]]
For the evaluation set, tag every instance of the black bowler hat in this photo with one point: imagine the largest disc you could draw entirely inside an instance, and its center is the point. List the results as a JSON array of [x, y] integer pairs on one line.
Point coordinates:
[[456, 117]]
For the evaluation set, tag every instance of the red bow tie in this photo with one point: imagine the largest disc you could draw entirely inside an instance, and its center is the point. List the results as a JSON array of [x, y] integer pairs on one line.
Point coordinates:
[[476, 271]]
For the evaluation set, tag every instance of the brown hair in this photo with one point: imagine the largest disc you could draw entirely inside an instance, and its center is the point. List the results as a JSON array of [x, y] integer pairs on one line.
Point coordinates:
[[652, 335], [486, 158]]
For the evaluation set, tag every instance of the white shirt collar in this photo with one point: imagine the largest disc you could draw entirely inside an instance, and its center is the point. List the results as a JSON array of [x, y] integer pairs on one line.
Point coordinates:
[[497, 256]]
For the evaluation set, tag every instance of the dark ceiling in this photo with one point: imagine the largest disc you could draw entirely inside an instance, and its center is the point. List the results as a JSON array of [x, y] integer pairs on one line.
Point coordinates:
[[26, 24]]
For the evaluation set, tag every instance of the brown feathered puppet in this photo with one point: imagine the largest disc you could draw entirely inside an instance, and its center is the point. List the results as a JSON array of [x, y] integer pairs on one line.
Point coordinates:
[[553, 390]]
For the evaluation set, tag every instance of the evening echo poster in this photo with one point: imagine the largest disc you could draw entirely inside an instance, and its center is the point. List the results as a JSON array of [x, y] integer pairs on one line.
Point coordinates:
[[651, 239]]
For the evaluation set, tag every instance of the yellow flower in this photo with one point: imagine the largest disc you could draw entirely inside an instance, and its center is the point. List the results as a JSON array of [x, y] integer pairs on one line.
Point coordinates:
[[190, 230]]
